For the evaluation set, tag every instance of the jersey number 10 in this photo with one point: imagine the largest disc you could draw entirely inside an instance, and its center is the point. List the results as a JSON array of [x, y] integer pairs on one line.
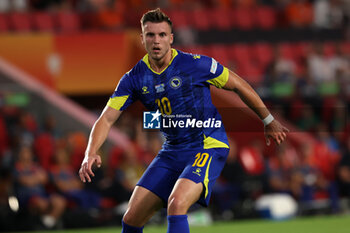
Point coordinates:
[[164, 105], [201, 159]]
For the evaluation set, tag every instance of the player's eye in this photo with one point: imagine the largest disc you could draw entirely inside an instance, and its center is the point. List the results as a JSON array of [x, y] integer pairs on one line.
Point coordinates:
[[163, 34]]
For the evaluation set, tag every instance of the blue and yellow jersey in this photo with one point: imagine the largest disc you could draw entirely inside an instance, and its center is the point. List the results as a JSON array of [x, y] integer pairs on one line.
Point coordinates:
[[181, 90]]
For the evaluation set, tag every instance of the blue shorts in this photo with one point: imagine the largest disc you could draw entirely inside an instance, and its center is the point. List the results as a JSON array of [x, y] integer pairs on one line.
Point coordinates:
[[198, 165]]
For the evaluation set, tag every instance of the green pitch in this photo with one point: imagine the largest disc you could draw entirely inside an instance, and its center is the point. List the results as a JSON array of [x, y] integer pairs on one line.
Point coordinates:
[[324, 224]]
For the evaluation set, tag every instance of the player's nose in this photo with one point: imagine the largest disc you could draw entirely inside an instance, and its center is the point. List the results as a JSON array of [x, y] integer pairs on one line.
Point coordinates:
[[156, 39]]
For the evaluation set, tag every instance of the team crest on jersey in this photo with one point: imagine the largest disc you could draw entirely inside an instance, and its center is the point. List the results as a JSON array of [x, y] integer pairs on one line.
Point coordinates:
[[159, 87], [145, 90], [175, 82]]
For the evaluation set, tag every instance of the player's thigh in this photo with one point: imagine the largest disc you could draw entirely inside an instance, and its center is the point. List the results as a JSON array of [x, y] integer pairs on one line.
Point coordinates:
[[142, 206], [185, 193]]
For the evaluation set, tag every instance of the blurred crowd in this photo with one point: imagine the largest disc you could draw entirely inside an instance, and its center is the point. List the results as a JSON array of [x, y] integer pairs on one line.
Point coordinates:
[[113, 14], [287, 69], [39, 165]]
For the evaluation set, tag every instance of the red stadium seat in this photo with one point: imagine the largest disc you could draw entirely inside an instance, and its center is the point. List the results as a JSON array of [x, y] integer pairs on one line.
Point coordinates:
[[329, 49], [201, 19], [77, 143], [265, 17], [68, 21], [44, 147], [3, 136], [221, 18], [301, 49], [219, 53], [244, 18], [287, 51], [132, 19], [4, 25], [239, 52], [179, 18], [20, 21], [345, 46], [251, 72], [262, 53], [115, 158], [43, 21]]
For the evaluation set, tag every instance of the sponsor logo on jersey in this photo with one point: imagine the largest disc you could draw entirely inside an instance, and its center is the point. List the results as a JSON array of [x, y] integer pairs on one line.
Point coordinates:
[[197, 171], [145, 90], [175, 82], [159, 87]]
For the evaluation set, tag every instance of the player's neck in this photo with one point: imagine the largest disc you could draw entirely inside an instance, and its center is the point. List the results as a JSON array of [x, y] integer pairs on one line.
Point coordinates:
[[160, 65]]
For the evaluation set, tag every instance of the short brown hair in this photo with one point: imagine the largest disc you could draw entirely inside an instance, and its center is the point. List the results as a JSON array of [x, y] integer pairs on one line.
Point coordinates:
[[156, 16]]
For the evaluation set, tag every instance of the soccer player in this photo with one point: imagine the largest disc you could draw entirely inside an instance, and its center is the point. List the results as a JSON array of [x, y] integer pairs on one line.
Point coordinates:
[[175, 83]]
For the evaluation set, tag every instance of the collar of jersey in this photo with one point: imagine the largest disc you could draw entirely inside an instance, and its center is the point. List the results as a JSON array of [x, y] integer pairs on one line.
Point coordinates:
[[145, 60]]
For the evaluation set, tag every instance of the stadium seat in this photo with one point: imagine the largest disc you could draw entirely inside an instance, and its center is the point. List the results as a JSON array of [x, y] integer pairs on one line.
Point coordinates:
[[345, 46], [301, 49], [251, 72], [244, 18], [287, 51], [3, 136], [219, 53], [4, 26], [68, 21], [265, 17], [44, 148], [239, 52], [200, 19], [20, 21], [328, 49], [221, 19], [42, 21], [77, 142], [131, 19], [179, 18], [114, 158], [262, 53]]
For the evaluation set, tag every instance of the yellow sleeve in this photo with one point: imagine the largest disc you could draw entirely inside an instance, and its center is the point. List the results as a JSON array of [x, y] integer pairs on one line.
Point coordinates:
[[117, 102], [221, 80]]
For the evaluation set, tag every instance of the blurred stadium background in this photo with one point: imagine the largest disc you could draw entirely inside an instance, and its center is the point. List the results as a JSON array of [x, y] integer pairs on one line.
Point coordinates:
[[61, 59]]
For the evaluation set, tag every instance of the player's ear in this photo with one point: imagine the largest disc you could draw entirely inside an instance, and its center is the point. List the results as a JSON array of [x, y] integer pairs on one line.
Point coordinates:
[[141, 38], [171, 38]]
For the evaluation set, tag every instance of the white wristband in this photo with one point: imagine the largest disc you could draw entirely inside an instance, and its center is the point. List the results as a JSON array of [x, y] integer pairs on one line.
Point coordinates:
[[268, 119]]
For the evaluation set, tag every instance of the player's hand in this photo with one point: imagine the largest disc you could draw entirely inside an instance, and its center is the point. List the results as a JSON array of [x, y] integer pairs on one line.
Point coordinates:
[[275, 131], [86, 167]]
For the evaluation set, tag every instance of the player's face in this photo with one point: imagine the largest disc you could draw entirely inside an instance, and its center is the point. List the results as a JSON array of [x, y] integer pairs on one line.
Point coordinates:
[[157, 39]]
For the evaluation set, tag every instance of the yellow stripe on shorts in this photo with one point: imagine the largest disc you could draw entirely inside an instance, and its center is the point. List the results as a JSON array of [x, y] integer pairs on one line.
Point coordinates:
[[206, 179]]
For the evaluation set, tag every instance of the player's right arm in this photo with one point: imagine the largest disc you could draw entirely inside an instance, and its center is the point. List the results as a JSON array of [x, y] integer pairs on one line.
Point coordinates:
[[120, 100], [97, 137]]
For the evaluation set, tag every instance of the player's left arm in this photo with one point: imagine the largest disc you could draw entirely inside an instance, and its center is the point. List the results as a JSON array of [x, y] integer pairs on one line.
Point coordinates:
[[272, 127]]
